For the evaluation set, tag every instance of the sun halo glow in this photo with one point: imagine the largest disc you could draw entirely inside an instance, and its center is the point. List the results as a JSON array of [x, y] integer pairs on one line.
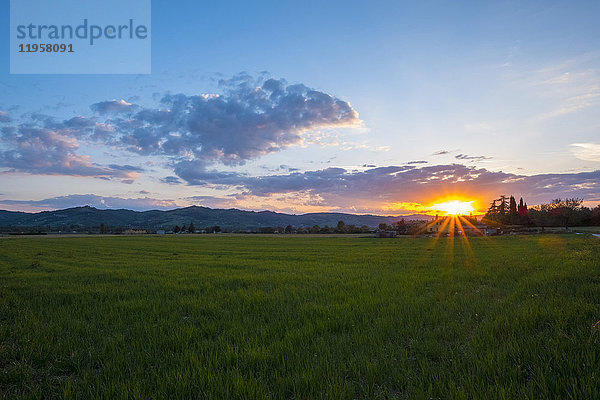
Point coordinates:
[[454, 207]]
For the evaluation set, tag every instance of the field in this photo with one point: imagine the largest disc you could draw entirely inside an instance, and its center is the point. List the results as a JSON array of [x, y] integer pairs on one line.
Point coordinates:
[[295, 317]]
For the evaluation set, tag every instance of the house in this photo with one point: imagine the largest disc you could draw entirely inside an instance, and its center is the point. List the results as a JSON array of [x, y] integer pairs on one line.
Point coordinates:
[[435, 225]]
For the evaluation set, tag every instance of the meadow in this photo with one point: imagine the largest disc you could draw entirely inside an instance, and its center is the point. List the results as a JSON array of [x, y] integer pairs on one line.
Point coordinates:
[[299, 317]]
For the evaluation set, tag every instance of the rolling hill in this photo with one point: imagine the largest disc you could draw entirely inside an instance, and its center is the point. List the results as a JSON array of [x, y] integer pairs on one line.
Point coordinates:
[[230, 219]]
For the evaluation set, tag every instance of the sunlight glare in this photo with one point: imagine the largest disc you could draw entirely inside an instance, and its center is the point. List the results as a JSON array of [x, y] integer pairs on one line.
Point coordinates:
[[454, 207]]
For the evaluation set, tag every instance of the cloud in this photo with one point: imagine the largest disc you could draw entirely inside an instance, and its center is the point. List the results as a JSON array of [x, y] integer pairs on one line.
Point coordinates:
[[212, 201], [565, 88], [100, 202], [247, 119], [586, 151], [171, 180], [381, 190], [471, 158], [251, 118], [416, 162], [113, 106], [375, 189], [43, 151], [4, 118], [440, 152]]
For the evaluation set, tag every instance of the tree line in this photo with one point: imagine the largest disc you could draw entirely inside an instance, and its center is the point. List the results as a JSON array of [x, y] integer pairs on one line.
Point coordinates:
[[558, 212]]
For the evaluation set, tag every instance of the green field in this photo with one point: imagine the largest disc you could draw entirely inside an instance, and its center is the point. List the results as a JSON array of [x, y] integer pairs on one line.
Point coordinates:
[[295, 317]]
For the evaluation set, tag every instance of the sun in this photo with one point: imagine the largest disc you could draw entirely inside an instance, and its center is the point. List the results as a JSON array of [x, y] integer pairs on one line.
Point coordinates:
[[454, 207]]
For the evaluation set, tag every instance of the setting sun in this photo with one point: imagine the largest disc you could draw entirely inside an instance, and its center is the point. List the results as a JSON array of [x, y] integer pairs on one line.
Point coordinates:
[[454, 207]]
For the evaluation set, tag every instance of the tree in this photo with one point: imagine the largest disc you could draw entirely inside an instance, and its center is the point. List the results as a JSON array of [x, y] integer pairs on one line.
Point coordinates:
[[326, 229], [191, 228], [497, 210], [539, 216], [340, 227], [512, 211], [503, 205], [102, 229], [522, 209], [400, 227], [566, 210], [383, 227], [503, 210], [288, 229], [176, 229]]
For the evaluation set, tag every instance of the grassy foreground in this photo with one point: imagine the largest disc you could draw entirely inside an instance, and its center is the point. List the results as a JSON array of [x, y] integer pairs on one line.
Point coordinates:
[[244, 317]]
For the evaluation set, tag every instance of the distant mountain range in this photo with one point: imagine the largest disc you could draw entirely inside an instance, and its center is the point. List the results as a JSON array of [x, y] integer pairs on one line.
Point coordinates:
[[231, 219]]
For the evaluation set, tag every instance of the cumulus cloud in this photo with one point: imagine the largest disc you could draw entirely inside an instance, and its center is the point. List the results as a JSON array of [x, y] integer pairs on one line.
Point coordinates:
[[586, 151], [249, 119], [43, 151], [113, 106], [100, 202]]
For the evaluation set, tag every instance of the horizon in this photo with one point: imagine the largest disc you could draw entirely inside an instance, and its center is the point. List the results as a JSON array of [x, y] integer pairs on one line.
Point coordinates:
[[382, 109], [227, 209]]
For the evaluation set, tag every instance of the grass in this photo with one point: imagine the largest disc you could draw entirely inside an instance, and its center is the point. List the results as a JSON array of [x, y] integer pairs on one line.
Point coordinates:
[[288, 317]]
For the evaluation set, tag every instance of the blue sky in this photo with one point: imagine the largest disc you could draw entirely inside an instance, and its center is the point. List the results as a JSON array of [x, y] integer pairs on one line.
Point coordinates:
[[405, 102]]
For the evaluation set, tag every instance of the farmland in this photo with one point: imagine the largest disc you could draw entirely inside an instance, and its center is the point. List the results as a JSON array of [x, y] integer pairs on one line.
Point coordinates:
[[299, 317]]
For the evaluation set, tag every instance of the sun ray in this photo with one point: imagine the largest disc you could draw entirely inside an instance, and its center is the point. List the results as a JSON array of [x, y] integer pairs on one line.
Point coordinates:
[[463, 237]]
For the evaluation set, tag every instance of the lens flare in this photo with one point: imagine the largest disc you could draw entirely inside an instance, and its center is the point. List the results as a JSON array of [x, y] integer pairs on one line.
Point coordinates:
[[454, 207]]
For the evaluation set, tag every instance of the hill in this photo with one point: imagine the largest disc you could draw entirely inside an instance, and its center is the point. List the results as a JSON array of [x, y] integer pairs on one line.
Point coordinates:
[[231, 219]]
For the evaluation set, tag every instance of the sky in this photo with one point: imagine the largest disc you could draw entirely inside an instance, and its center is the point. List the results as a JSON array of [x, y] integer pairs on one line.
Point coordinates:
[[363, 107]]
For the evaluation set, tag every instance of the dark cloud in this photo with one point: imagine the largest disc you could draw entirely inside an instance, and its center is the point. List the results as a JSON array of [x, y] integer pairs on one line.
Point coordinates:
[[471, 158], [113, 106], [440, 152], [416, 162], [101, 202], [171, 180], [77, 123]]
